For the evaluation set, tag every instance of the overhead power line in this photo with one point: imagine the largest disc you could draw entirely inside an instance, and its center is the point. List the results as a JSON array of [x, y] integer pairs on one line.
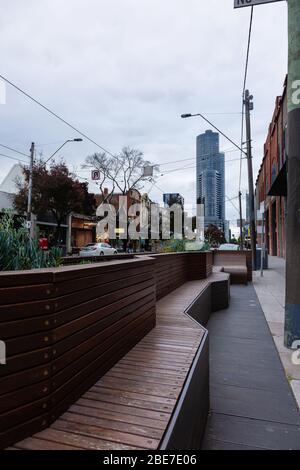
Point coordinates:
[[13, 158], [220, 114], [195, 166], [233, 205], [230, 150], [64, 121], [244, 89], [14, 150]]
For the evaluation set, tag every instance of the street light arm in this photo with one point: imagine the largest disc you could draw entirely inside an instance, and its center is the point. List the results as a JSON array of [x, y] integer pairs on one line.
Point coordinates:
[[185, 116], [50, 158], [67, 141]]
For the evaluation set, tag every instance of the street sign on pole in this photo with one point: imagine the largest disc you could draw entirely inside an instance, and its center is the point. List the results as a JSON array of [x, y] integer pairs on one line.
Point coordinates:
[[252, 3], [96, 175], [147, 171]]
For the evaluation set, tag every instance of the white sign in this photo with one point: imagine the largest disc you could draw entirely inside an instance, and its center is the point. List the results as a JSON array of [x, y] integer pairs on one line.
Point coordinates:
[[260, 229], [261, 211], [96, 175], [251, 3], [148, 171], [28, 224]]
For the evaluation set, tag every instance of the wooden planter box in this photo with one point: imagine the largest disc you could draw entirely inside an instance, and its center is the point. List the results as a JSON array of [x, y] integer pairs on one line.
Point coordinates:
[[174, 269], [65, 328]]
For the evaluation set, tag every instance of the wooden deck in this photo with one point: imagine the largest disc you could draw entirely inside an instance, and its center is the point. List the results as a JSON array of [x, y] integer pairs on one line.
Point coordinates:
[[131, 406]]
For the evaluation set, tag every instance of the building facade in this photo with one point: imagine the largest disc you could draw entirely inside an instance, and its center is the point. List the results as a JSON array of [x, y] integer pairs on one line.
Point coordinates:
[[173, 198], [211, 178], [271, 183], [75, 231]]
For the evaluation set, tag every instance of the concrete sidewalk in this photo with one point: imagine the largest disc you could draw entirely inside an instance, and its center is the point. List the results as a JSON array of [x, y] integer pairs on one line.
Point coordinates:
[[252, 406], [270, 290]]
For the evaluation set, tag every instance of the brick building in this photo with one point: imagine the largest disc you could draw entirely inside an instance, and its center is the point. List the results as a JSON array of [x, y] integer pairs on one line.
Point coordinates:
[[271, 183]]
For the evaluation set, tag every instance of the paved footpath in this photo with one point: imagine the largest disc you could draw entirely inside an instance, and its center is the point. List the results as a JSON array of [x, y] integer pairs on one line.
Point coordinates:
[[270, 290], [252, 405]]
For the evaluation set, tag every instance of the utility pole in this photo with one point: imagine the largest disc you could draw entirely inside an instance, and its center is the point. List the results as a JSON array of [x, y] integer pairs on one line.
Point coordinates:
[[248, 101], [292, 306], [241, 222], [30, 184]]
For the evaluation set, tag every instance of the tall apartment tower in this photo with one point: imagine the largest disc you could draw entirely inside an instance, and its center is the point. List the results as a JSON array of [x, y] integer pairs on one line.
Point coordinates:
[[211, 178]]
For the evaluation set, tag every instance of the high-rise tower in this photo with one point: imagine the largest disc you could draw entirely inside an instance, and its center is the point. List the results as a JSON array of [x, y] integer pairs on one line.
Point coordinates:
[[211, 178]]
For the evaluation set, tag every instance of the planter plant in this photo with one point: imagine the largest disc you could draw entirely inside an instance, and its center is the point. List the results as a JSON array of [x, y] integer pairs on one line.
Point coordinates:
[[18, 251]]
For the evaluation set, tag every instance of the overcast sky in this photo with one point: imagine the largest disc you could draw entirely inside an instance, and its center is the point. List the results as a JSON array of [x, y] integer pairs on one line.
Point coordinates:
[[123, 71]]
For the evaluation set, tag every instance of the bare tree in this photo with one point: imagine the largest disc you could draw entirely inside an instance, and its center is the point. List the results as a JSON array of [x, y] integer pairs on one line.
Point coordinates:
[[123, 173]]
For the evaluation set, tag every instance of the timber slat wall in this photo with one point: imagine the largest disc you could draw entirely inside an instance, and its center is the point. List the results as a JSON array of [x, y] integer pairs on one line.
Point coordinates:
[[65, 328], [247, 253], [174, 269], [133, 404]]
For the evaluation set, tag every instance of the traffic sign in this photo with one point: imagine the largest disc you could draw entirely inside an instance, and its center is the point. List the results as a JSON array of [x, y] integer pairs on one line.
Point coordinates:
[[96, 175], [251, 3]]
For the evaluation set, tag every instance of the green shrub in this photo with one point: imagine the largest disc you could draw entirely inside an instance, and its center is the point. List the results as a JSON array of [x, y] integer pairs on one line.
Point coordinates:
[[179, 246], [18, 251]]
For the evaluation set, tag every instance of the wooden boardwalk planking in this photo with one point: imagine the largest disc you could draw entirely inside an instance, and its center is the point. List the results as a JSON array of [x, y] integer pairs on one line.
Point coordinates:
[[130, 407]]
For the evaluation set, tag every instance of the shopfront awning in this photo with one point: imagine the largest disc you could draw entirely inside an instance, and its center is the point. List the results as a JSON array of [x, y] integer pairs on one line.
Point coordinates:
[[279, 186]]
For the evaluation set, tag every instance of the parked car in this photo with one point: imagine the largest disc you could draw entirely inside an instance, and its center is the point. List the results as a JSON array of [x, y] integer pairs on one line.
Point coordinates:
[[229, 247], [97, 249]]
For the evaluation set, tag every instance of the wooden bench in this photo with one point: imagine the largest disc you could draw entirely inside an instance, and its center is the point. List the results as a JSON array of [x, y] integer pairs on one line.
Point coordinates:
[[234, 263], [156, 396]]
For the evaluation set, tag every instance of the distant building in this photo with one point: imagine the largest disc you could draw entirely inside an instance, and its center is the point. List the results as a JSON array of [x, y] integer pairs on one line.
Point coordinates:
[[173, 198], [132, 196], [271, 183], [6, 201], [227, 231], [15, 175], [76, 231], [211, 178], [8, 187]]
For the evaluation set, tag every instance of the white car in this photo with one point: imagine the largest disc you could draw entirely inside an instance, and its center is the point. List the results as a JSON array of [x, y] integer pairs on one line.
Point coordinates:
[[97, 249]]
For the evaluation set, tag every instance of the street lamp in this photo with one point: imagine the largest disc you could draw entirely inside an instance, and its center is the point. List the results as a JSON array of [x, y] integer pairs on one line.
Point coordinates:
[[69, 140], [185, 116]]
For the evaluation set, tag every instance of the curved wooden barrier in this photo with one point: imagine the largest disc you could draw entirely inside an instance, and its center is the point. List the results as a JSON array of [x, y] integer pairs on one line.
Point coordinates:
[[65, 328]]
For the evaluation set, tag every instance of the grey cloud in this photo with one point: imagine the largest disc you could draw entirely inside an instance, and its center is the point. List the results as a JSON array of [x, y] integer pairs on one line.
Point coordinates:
[[124, 71]]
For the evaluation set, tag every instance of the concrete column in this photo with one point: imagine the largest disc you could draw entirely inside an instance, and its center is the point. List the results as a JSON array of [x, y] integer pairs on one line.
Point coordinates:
[[292, 308]]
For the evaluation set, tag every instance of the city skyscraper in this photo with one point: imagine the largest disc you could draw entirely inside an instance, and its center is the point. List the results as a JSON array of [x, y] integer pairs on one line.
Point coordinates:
[[211, 178]]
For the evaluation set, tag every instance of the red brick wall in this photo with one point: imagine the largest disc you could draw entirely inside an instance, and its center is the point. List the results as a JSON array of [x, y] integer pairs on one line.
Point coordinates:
[[273, 155]]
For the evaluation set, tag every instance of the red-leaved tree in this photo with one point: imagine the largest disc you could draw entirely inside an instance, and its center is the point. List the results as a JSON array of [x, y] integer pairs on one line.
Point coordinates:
[[56, 191]]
